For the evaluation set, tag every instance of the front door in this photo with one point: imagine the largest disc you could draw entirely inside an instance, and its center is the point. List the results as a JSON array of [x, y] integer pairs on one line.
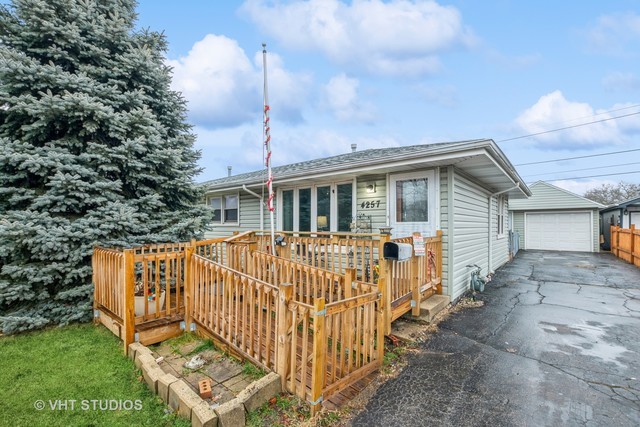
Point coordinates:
[[412, 203]]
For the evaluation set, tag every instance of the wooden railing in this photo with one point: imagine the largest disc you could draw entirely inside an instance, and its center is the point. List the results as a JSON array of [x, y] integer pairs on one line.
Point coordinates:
[[318, 349], [625, 244], [330, 251], [108, 280], [158, 291], [309, 314], [308, 282], [238, 309], [323, 348]]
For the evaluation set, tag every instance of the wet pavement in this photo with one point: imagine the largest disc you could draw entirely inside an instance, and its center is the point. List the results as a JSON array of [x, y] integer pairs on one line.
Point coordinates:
[[557, 342]]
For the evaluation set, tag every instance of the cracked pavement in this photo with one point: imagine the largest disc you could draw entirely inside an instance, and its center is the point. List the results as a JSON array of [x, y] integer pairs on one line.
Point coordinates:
[[557, 342]]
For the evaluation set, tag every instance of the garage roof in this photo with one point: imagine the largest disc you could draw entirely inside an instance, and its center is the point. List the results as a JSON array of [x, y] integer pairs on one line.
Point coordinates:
[[549, 197]]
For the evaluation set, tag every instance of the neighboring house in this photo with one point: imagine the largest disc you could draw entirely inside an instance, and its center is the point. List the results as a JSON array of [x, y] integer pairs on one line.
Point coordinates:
[[623, 214], [461, 188], [556, 219]]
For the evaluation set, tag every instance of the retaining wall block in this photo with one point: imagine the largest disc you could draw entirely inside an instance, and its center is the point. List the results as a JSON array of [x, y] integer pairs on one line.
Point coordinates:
[[182, 398], [203, 416], [163, 386], [231, 413], [259, 392]]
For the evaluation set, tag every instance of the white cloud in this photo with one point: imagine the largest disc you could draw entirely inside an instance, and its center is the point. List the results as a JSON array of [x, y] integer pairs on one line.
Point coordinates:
[[616, 34], [241, 147], [622, 82], [400, 37], [341, 96], [554, 111], [223, 88]]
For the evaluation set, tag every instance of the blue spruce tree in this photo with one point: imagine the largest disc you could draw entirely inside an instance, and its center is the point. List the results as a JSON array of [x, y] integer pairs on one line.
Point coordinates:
[[94, 149]]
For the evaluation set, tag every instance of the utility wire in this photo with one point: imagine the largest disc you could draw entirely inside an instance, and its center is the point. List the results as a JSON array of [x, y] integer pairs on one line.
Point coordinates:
[[578, 157], [598, 114], [570, 127], [583, 169], [594, 176]]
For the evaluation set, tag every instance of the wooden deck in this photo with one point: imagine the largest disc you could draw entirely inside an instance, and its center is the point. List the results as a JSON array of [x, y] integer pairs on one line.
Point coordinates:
[[321, 329]]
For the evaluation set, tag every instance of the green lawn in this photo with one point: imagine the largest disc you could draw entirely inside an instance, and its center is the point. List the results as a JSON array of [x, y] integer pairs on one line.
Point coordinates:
[[84, 363]]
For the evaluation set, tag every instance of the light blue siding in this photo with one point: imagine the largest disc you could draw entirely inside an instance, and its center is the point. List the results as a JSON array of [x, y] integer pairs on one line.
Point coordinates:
[[470, 232]]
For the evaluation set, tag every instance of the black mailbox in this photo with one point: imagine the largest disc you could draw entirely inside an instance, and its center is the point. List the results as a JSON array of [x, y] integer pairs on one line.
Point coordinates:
[[397, 251]]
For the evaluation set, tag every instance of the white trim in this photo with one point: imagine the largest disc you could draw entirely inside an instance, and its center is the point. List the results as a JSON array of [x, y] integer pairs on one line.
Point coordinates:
[[222, 222], [436, 181], [429, 225]]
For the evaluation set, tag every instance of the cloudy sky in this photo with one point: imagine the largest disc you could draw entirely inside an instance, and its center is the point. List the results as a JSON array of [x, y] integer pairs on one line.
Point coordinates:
[[402, 72]]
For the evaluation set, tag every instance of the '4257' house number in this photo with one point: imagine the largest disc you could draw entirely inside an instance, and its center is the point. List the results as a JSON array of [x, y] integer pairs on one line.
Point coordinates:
[[370, 204]]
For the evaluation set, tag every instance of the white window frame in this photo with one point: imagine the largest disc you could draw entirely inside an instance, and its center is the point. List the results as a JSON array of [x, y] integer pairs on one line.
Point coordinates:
[[222, 199], [406, 227], [501, 213], [333, 203]]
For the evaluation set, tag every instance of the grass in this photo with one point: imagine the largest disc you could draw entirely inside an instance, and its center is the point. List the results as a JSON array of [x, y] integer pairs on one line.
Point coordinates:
[[81, 363], [252, 371], [284, 410]]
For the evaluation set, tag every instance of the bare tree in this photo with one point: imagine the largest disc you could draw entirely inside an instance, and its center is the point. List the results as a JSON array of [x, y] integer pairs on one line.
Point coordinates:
[[609, 194]]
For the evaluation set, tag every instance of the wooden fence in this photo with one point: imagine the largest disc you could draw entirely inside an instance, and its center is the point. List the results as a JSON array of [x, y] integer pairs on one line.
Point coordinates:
[[308, 313], [317, 349], [625, 244]]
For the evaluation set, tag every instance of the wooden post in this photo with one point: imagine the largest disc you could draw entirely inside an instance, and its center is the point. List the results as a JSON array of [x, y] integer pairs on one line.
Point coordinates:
[[189, 286], [439, 262], [94, 280], [632, 228], [129, 299], [380, 331], [319, 369], [384, 284], [349, 277], [283, 326], [415, 286]]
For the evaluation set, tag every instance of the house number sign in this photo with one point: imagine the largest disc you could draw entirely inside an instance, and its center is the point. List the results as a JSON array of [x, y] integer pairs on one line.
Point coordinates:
[[370, 204]]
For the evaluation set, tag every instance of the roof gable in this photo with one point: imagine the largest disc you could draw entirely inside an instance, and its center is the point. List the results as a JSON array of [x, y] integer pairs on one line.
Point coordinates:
[[548, 196]]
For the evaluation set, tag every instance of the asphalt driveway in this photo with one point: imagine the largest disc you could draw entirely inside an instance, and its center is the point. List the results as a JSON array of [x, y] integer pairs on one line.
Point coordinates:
[[556, 343]]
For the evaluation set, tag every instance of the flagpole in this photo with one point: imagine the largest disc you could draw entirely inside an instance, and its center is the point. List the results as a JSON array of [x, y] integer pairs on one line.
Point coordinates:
[[267, 143]]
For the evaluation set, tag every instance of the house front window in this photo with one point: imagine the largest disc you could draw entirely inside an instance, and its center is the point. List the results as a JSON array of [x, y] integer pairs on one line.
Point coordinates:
[[231, 208], [216, 204], [501, 215], [225, 209], [412, 204]]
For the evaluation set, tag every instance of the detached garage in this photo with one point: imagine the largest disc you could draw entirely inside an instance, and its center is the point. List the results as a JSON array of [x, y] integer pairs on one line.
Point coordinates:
[[556, 219]]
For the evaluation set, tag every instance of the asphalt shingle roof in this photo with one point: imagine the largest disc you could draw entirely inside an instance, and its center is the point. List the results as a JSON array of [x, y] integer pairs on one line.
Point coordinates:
[[370, 156]]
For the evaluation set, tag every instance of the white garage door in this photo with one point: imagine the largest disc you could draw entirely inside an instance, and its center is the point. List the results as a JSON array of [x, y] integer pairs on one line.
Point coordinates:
[[559, 231]]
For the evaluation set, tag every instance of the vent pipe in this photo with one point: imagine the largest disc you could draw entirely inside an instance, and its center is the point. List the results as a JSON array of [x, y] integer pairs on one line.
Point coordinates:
[[354, 147], [228, 170]]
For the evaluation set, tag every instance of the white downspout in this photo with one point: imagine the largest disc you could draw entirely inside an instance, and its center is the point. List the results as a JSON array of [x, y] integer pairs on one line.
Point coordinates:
[[244, 187], [490, 255]]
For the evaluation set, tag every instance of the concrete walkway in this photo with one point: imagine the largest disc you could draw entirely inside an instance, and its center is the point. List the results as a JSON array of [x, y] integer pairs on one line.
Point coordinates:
[[556, 343]]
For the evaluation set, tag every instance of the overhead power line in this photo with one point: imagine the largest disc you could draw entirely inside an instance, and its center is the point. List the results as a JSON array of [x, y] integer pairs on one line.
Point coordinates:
[[578, 157], [583, 169], [570, 127], [599, 114], [594, 176]]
